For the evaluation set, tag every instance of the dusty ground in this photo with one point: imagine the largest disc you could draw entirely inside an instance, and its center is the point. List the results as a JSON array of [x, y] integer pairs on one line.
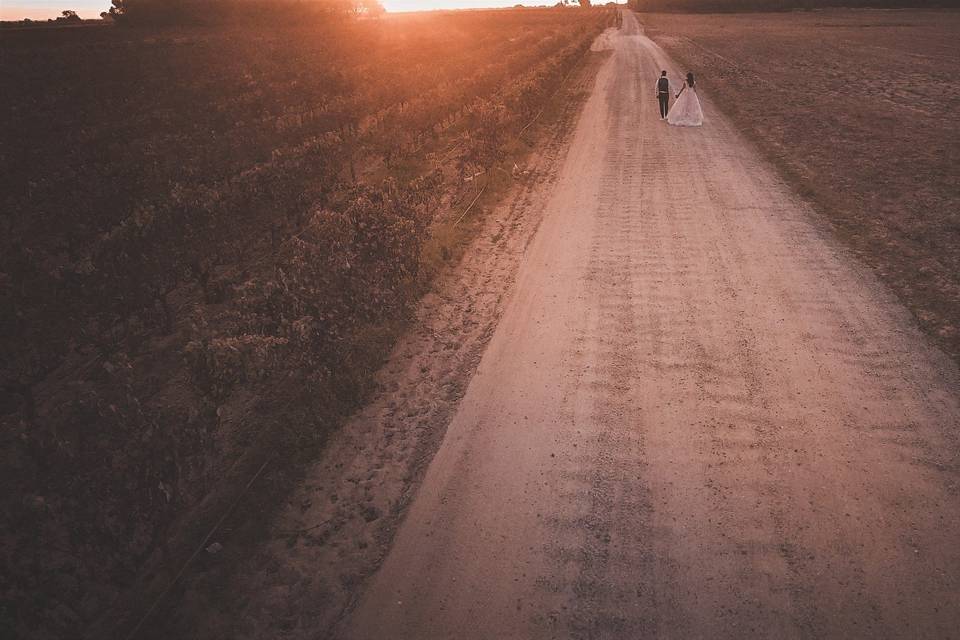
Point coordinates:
[[856, 108], [696, 416]]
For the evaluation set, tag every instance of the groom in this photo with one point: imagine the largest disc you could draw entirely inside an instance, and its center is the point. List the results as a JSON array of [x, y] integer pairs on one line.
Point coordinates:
[[663, 94]]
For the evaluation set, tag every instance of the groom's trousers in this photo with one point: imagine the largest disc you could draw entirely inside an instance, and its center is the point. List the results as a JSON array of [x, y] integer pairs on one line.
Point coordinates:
[[664, 98]]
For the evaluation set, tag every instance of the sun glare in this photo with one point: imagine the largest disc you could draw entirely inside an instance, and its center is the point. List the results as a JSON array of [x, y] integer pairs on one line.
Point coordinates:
[[432, 5]]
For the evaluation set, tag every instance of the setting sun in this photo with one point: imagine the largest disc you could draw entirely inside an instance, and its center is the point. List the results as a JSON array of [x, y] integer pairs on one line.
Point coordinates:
[[430, 5]]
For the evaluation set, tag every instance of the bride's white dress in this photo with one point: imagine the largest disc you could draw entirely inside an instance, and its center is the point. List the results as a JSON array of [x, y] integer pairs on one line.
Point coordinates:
[[686, 111]]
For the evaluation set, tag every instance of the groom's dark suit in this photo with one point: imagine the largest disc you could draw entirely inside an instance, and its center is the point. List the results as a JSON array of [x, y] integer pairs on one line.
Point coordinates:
[[663, 95]]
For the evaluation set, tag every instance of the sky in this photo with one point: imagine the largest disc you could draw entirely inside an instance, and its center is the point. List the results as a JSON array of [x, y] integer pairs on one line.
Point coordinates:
[[43, 9]]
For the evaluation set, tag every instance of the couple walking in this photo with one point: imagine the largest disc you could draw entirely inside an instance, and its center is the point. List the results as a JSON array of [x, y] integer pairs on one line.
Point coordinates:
[[686, 111]]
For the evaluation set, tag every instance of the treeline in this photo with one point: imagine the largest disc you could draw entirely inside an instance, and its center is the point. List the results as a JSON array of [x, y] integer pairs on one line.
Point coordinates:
[[721, 6], [217, 12]]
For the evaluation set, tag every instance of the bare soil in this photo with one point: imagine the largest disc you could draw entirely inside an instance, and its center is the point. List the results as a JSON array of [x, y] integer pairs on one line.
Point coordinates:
[[857, 109], [699, 416]]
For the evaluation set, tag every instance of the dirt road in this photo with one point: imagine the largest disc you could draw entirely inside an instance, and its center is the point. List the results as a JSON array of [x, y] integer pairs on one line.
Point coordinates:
[[697, 418]]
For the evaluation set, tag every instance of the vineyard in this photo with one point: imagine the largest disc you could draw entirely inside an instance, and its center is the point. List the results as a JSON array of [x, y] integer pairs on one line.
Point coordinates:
[[208, 239]]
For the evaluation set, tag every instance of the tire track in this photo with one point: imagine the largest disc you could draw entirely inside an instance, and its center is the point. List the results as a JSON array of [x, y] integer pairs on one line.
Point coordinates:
[[697, 418]]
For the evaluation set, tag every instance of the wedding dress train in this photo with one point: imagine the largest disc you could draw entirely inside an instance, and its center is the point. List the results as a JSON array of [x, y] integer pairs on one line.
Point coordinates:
[[686, 111]]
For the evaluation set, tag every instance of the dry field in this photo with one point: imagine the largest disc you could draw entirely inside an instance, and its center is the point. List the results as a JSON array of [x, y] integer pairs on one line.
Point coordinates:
[[209, 237], [858, 110]]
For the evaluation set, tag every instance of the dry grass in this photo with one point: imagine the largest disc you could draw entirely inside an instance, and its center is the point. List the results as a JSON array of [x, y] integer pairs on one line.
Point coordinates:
[[858, 109]]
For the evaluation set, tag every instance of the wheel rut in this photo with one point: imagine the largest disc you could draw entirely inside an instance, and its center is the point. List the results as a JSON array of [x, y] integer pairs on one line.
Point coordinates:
[[698, 416]]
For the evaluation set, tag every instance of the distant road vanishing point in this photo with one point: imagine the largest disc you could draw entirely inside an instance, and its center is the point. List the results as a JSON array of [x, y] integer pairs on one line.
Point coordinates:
[[697, 418]]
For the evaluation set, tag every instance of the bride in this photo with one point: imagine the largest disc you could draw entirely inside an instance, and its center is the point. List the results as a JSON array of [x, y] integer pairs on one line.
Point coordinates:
[[686, 111]]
